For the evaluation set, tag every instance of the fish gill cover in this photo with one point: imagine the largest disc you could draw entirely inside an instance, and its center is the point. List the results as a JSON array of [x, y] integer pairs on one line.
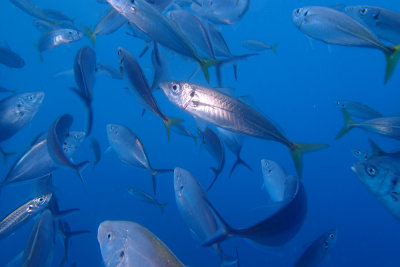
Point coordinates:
[[279, 78]]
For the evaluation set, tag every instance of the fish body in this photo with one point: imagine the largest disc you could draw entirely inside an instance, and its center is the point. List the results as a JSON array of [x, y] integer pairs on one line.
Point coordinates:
[[231, 114], [143, 196], [57, 15], [31, 9], [256, 45], [17, 111], [359, 110], [10, 59], [384, 23], [21, 215], [317, 251], [124, 243], [58, 37]]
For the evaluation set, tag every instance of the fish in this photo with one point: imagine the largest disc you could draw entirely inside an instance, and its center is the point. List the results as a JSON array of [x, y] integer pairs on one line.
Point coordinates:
[[57, 15], [359, 110], [110, 71], [361, 154], [56, 38], [160, 67], [66, 232], [222, 11], [130, 150], [280, 186], [317, 251], [139, 86], [94, 144], [144, 197], [384, 23], [215, 147], [194, 210], [256, 45], [150, 21], [36, 163], [124, 243], [20, 108], [56, 136], [234, 143], [232, 114], [39, 250], [108, 24], [85, 77], [274, 231], [386, 126], [381, 177], [335, 27], [23, 214], [10, 59], [31, 9], [45, 26]]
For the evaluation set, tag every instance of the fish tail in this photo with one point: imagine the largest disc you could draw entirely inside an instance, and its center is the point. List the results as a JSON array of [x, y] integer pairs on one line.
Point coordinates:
[[224, 230], [154, 173], [239, 161], [392, 58], [376, 150], [6, 154], [171, 122], [205, 64], [162, 207], [90, 34], [216, 172], [348, 124], [298, 149], [79, 168], [273, 48]]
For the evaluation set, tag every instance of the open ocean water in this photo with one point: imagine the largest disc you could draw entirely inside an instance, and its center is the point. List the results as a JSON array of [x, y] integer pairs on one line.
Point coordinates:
[[296, 87]]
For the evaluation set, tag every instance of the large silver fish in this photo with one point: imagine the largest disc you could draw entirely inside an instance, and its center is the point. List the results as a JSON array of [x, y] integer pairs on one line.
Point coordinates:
[[130, 150], [317, 251], [232, 114], [124, 243], [21, 215], [334, 27], [10, 59], [192, 205], [385, 23]]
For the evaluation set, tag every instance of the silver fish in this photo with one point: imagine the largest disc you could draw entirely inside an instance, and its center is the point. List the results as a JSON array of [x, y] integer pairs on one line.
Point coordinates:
[[384, 23], [130, 150], [10, 59], [21, 215], [280, 186], [256, 45], [317, 251], [143, 196], [194, 210], [231, 114], [334, 27], [216, 149], [124, 243], [58, 37], [381, 176], [358, 110], [56, 136], [386, 126]]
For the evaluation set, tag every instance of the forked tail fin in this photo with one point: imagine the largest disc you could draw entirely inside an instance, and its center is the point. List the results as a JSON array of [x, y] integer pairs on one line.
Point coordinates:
[[392, 58], [298, 149], [348, 124]]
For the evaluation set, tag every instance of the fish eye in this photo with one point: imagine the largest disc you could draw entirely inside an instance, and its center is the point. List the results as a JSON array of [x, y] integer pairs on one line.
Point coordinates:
[[326, 244], [192, 94], [358, 152], [122, 254], [331, 236], [174, 87], [109, 236], [41, 199], [371, 171], [363, 11], [298, 11]]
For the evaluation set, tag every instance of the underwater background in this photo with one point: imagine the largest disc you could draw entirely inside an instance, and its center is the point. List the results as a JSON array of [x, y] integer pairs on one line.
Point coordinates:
[[296, 87]]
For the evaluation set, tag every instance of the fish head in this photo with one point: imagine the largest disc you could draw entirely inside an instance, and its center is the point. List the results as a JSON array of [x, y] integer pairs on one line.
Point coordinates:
[[299, 16], [72, 141], [122, 52], [27, 105], [373, 173], [363, 14], [360, 155], [73, 35], [330, 239], [112, 237], [179, 93], [114, 131], [39, 203], [340, 104]]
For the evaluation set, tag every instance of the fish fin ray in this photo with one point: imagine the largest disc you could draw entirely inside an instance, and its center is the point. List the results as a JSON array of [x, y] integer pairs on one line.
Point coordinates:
[[348, 124]]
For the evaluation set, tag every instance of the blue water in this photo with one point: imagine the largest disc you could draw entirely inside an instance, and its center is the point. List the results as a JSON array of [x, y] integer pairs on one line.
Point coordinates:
[[297, 88]]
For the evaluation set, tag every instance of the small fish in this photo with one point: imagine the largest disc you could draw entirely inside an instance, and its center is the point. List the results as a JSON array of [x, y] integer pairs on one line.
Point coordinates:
[[280, 186], [56, 136], [143, 196], [130, 150], [258, 45], [57, 15], [139, 86], [58, 37], [124, 243], [232, 114], [386, 126], [110, 71], [380, 176], [317, 251], [384, 23], [234, 143], [85, 77], [10, 59], [94, 144], [22, 215], [108, 24], [194, 210], [31, 9], [335, 27], [358, 110], [216, 149]]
